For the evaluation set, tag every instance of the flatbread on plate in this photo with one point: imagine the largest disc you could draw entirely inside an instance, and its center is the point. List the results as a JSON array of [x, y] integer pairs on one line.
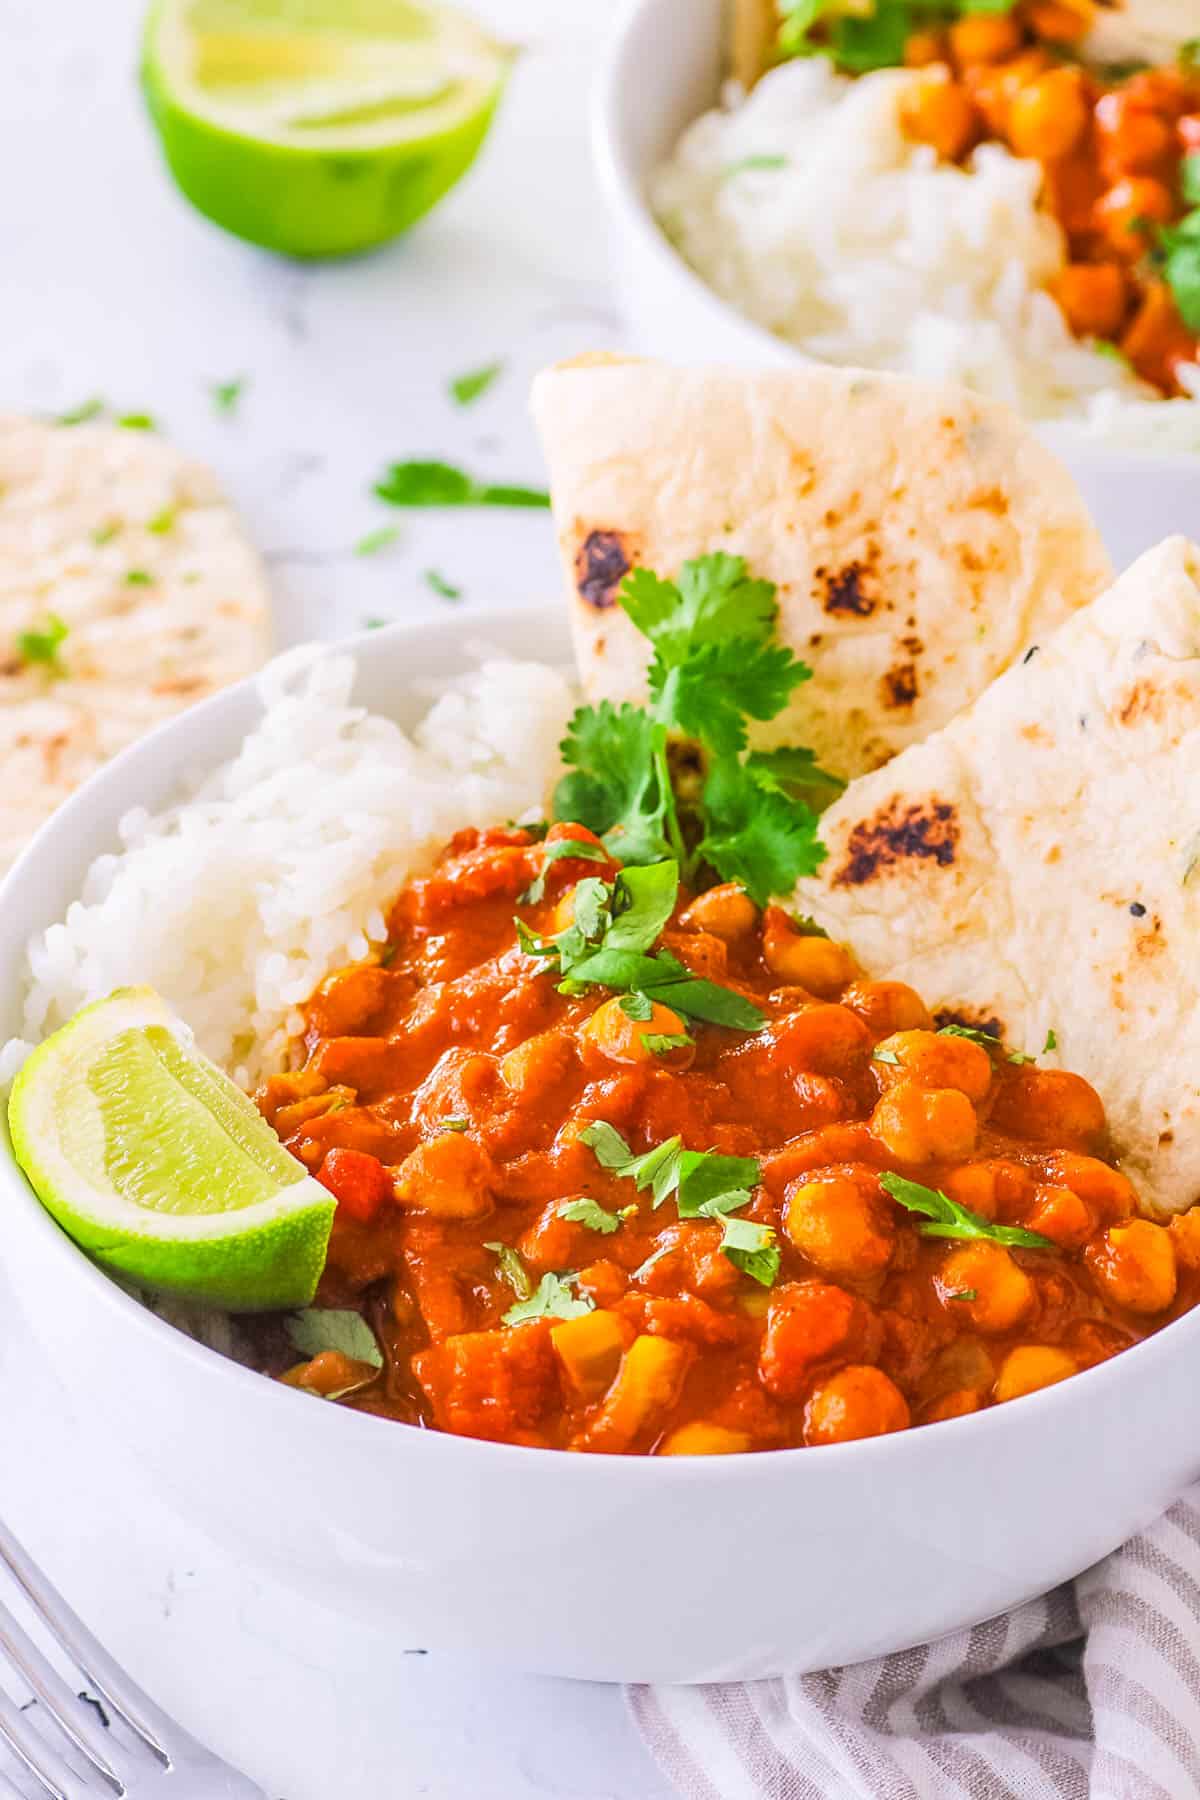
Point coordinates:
[[919, 536], [132, 546], [1035, 867]]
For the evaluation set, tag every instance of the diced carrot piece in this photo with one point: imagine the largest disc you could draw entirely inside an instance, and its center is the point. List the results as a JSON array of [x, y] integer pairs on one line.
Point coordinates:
[[646, 1387], [590, 1349], [359, 1183]]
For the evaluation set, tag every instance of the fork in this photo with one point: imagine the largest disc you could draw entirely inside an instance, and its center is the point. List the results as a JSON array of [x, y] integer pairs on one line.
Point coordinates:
[[155, 1760]]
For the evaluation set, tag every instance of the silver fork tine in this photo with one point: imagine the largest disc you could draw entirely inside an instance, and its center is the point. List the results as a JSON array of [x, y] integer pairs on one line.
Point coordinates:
[[153, 1725], [56, 1776], [69, 1713]]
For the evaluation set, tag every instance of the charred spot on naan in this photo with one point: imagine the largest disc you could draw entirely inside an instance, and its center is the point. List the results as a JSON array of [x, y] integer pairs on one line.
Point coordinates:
[[602, 561], [899, 687], [897, 835], [845, 591]]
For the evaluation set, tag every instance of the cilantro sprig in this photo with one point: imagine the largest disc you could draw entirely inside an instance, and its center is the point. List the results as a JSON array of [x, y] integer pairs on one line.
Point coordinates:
[[608, 944], [859, 39], [950, 1220], [703, 1184], [715, 665]]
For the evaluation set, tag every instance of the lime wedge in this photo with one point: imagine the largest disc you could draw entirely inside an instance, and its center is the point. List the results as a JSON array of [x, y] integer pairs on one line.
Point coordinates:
[[159, 1167], [318, 127]]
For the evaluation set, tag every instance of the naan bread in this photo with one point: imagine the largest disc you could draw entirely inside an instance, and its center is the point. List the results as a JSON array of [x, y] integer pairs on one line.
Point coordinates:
[[1035, 866], [134, 548], [919, 536]]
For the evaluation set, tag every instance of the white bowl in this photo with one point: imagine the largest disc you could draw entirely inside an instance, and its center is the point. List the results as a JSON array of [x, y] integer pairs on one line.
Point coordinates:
[[672, 1569], [663, 69]]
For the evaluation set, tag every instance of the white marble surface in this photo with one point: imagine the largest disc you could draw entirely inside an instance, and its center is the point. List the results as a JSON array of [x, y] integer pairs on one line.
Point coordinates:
[[111, 286]]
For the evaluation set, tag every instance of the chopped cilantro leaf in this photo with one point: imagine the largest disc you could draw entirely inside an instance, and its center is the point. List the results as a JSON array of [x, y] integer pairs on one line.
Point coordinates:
[[643, 900], [590, 1213], [227, 394], [964, 1294], [972, 1033], [555, 852], [704, 1183], [162, 522], [551, 1299], [42, 645], [80, 415], [104, 534], [1189, 177], [138, 578], [752, 1249], [512, 1269], [760, 160], [441, 484], [319, 1328], [445, 590], [885, 1056], [137, 422], [375, 541], [1051, 1042], [950, 1220], [638, 1007], [450, 1124], [661, 1043], [465, 389]]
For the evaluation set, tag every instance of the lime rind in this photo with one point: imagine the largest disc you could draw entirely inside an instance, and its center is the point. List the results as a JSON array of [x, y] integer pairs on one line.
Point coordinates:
[[157, 1164]]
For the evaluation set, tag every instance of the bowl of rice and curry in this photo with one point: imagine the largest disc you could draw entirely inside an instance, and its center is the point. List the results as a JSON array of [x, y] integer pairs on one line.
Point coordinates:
[[729, 1094]]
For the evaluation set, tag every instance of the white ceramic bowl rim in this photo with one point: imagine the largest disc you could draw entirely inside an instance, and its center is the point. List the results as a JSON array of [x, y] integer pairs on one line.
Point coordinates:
[[1090, 1387], [623, 189]]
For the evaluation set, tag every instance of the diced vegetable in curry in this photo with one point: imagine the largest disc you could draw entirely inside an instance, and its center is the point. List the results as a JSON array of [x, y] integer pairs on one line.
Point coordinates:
[[769, 1203]]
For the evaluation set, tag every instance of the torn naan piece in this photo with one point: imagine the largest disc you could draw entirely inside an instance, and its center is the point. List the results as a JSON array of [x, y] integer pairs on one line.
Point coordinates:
[[919, 536], [1034, 868]]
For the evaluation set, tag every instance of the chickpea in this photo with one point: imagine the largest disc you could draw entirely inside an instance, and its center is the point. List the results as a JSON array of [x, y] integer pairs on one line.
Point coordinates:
[[919, 1125], [954, 1405], [841, 1224], [703, 1439], [1093, 298], [1185, 1235], [1048, 116], [1107, 1192], [1133, 139], [1120, 212], [939, 111], [1134, 1266], [1029, 1367], [1003, 1291], [1049, 1106], [613, 1034], [727, 911], [807, 961], [1059, 21], [984, 38], [825, 1040], [994, 86], [936, 1062], [924, 47], [887, 1006], [1061, 1216], [449, 1176], [994, 1189], [858, 1402]]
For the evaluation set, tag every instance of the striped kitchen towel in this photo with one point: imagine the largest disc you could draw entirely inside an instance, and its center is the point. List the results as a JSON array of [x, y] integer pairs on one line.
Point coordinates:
[[1092, 1693]]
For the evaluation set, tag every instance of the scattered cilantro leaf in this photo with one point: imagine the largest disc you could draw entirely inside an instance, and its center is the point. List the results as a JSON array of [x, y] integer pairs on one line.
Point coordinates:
[[1181, 267], [136, 421], [752, 1249], [964, 1294], [1051, 1042], [467, 388], [162, 522], [661, 1043], [551, 1299], [319, 1328], [885, 1056], [445, 590], [226, 395], [42, 644], [81, 415], [950, 1220], [104, 534], [638, 1007], [1189, 178], [972, 1033], [590, 1213], [432, 483], [704, 1185], [643, 900], [375, 624], [555, 852], [375, 541], [512, 1269], [759, 160], [449, 1124], [138, 578]]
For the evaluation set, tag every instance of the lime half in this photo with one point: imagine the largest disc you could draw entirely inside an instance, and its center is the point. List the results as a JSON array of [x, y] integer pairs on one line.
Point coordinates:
[[159, 1167], [318, 127]]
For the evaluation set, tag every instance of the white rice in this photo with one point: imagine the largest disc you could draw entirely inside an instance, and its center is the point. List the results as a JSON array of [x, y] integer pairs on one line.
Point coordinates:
[[863, 248], [237, 902]]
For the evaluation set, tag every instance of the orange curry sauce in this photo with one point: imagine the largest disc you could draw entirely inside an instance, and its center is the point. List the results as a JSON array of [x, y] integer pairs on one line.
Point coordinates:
[[441, 1098], [1112, 153]]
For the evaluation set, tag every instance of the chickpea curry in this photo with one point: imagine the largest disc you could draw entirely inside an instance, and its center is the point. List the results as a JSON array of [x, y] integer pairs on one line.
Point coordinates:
[[1119, 151], [723, 1195]]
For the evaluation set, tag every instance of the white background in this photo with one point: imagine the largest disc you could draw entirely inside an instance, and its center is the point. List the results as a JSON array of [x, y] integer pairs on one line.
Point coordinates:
[[111, 286]]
